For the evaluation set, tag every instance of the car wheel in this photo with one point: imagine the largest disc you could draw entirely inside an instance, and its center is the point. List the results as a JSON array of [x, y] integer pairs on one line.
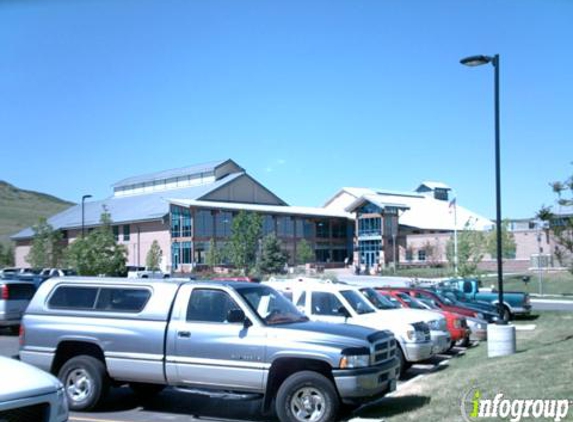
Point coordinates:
[[403, 364], [465, 342], [85, 381], [506, 315], [144, 390], [307, 396]]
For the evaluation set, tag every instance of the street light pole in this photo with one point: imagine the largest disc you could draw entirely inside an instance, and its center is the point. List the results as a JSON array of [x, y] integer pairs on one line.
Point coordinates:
[[83, 214], [477, 61]]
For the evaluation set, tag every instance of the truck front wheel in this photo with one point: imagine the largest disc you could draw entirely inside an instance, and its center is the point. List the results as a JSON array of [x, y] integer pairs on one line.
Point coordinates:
[[307, 396], [85, 381]]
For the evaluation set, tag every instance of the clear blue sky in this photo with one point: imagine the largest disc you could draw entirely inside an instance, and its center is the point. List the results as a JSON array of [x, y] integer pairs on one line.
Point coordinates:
[[308, 96]]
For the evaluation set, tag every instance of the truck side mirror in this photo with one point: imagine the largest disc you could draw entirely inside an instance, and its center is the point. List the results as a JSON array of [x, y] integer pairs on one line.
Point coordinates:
[[344, 312]]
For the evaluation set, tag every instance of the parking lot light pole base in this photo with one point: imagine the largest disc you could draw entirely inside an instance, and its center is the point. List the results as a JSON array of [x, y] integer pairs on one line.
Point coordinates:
[[501, 340]]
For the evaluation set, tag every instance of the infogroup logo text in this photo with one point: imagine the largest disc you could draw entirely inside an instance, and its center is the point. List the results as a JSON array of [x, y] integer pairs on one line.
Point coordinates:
[[476, 407]]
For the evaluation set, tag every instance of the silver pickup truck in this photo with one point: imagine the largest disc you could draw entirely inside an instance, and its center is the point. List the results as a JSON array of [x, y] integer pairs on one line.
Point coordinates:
[[233, 339]]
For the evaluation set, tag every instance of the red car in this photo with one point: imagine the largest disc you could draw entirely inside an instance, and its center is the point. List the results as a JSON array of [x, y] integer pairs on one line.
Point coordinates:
[[456, 323], [421, 293]]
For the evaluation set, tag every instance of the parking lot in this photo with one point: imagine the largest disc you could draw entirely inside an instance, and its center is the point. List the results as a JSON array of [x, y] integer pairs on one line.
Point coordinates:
[[173, 406]]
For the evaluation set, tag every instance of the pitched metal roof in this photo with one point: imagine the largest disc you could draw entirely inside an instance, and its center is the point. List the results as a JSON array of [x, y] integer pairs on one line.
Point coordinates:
[[125, 209], [168, 174], [424, 212], [273, 209]]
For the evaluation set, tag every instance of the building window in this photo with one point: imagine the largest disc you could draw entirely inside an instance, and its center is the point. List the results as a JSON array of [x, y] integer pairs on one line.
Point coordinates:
[[175, 255], [422, 255], [175, 222], [339, 229], [308, 229], [126, 232], [223, 222], [409, 255], [204, 224], [186, 222], [369, 226], [285, 227], [115, 230], [268, 225], [186, 252], [323, 228]]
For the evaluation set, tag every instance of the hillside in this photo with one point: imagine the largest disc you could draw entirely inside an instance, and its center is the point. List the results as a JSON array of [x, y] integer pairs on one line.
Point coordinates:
[[22, 208]]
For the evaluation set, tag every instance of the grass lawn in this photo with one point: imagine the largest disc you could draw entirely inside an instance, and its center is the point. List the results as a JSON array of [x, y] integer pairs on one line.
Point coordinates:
[[553, 283], [542, 369]]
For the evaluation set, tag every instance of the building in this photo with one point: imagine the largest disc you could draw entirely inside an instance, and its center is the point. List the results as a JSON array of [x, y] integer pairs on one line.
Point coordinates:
[[407, 227], [183, 209]]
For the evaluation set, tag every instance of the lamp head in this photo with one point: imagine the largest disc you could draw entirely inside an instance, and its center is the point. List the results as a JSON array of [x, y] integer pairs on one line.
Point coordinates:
[[86, 197], [473, 61]]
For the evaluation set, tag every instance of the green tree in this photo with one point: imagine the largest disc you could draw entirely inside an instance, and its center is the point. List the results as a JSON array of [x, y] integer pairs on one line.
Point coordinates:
[[273, 257], [508, 245], [561, 224], [304, 252], [6, 256], [46, 249], [471, 250], [243, 244], [214, 255], [98, 252], [153, 258]]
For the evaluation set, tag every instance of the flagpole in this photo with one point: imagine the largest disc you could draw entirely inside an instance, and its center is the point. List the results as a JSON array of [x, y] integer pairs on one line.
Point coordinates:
[[455, 201], [456, 238]]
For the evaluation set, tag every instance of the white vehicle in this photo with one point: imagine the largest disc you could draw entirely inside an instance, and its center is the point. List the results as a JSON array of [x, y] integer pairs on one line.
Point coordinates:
[[438, 326], [342, 303], [145, 272], [30, 394]]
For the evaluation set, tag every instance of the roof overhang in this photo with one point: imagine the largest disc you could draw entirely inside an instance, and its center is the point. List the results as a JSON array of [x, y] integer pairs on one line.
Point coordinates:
[[382, 204]]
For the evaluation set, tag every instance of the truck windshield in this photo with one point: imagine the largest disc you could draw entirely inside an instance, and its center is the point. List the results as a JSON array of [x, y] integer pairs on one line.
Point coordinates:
[[378, 300], [272, 307], [358, 302]]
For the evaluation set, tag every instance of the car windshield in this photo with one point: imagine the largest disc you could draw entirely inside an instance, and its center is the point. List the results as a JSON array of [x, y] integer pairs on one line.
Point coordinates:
[[429, 303], [445, 299], [410, 301], [357, 302], [272, 307], [378, 300]]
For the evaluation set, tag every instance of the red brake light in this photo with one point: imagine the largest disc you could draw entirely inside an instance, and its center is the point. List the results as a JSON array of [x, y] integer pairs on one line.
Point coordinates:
[[4, 294]]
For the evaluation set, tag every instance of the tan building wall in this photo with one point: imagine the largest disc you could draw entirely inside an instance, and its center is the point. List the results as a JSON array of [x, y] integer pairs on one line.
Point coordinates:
[[141, 237], [21, 250]]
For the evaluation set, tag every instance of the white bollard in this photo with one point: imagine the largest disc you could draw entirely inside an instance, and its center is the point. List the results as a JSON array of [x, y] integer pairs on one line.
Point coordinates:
[[500, 340]]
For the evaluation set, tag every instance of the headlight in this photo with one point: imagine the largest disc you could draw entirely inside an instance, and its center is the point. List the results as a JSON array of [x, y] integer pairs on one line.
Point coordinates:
[[480, 315], [354, 361], [415, 335], [62, 409]]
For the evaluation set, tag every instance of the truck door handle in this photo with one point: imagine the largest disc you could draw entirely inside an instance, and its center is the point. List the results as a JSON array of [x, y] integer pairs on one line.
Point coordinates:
[[184, 334]]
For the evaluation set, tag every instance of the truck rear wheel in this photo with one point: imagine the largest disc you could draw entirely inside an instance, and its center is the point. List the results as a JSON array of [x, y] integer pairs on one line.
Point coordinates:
[[307, 396], [85, 381]]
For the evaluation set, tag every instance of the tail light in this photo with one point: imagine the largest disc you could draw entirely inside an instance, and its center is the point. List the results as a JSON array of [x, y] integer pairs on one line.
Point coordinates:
[[4, 293], [21, 334]]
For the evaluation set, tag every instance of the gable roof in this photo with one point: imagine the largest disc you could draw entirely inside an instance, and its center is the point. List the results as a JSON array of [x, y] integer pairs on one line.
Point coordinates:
[[423, 212]]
